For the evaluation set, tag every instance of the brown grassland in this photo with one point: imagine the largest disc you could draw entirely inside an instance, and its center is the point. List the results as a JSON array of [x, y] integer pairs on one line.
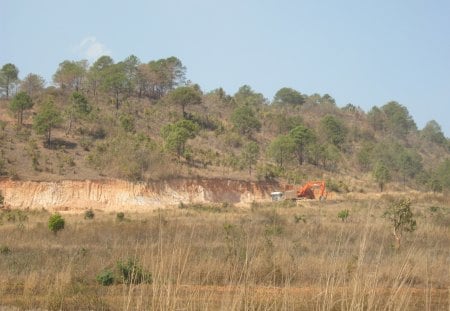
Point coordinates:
[[218, 257]]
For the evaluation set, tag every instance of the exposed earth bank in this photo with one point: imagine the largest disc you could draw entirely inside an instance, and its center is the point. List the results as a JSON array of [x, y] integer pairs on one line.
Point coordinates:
[[113, 195]]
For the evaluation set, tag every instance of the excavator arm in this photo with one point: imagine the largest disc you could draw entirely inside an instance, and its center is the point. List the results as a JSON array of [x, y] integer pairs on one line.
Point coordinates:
[[307, 190]]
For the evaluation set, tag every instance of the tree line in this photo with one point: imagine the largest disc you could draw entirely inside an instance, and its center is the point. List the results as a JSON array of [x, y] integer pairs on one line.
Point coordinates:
[[382, 142]]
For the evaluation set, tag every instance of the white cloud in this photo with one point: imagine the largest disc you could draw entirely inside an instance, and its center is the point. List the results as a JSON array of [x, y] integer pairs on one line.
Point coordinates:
[[91, 49]]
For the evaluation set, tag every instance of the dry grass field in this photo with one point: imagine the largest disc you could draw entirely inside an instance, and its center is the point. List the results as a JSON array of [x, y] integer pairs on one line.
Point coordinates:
[[206, 257]]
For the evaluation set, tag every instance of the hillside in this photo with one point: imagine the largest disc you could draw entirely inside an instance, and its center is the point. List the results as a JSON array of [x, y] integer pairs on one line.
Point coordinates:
[[145, 122]]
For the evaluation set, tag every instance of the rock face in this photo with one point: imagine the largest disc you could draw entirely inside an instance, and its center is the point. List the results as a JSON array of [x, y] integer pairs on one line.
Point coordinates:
[[122, 195]]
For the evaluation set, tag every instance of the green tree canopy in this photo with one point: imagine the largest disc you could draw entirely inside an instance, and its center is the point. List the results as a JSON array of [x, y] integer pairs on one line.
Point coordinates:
[[115, 82], [376, 118], [250, 154], [158, 77], [47, 118], [432, 132], [246, 96], [401, 218], [97, 72], [177, 134], [131, 64], [56, 223], [21, 101], [185, 96], [245, 121], [442, 174], [381, 174], [281, 149], [9, 74], [302, 137], [398, 120], [79, 108], [70, 74], [288, 96], [334, 130]]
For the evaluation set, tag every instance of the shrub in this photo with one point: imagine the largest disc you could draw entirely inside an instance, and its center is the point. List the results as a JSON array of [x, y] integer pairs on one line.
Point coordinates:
[[105, 278], [89, 214], [5, 250], [298, 218], [2, 200], [14, 215], [401, 218], [132, 272], [343, 215], [120, 216], [267, 172], [56, 223]]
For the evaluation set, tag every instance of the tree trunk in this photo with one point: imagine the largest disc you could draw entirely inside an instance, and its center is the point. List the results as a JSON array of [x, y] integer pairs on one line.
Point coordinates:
[[69, 128], [49, 133], [7, 88], [117, 100], [397, 237]]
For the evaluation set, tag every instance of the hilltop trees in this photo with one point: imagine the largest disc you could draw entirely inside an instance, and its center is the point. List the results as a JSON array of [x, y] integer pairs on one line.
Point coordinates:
[[115, 82], [288, 96], [245, 96], [70, 74], [21, 102], [132, 114], [158, 77], [98, 71], [398, 119], [9, 74], [432, 132], [32, 84], [392, 118]]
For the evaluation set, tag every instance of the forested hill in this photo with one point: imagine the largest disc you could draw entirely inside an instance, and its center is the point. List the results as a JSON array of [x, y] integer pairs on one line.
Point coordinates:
[[145, 121]]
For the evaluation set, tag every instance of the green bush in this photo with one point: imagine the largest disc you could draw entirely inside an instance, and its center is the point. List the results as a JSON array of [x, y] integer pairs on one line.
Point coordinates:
[[267, 172], [120, 216], [14, 215], [298, 218], [401, 217], [5, 250], [337, 186], [89, 214], [2, 199], [132, 272], [105, 278], [343, 215], [56, 223]]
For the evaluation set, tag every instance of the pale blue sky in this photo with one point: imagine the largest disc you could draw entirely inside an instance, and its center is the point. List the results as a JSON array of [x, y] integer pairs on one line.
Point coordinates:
[[361, 52]]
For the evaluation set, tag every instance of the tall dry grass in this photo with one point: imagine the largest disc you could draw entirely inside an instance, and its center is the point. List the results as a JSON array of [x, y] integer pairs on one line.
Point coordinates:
[[204, 258]]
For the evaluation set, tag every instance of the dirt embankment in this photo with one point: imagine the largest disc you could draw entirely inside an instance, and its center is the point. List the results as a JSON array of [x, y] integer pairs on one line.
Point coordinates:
[[115, 195]]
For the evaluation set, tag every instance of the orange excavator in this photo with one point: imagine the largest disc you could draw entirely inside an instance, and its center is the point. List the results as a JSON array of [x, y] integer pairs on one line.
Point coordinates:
[[313, 190]]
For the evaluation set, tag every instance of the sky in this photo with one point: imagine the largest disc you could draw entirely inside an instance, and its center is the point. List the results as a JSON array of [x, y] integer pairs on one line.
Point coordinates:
[[362, 52]]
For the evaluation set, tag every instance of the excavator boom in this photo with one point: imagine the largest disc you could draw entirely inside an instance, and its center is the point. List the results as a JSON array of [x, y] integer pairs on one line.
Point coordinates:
[[307, 190]]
